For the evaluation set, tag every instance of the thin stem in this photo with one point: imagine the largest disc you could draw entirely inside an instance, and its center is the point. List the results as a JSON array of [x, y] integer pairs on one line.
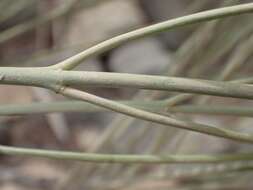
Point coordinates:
[[214, 110], [72, 62], [123, 158], [72, 106], [80, 106], [156, 118]]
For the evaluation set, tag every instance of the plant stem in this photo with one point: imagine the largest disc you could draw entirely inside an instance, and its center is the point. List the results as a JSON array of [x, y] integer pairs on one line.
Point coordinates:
[[46, 78], [72, 62], [72, 106], [214, 110], [156, 118], [124, 158]]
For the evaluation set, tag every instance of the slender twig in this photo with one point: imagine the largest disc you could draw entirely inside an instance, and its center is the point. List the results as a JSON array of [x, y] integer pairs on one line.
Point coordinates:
[[73, 106], [214, 110], [152, 117], [124, 158], [156, 28]]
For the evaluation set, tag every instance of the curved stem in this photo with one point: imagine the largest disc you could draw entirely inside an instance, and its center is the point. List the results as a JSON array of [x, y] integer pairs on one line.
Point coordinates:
[[74, 61], [156, 118]]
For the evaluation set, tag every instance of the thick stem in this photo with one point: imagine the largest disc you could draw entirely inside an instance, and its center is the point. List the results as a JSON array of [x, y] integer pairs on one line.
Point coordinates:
[[42, 77]]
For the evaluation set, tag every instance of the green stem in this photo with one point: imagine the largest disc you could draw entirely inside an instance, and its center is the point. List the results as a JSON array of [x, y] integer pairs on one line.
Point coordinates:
[[72, 62], [156, 118], [123, 158], [72, 106], [42, 77], [214, 110]]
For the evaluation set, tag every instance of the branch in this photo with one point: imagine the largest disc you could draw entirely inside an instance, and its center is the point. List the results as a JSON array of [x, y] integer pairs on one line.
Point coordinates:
[[156, 118], [74, 61], [55, 79]]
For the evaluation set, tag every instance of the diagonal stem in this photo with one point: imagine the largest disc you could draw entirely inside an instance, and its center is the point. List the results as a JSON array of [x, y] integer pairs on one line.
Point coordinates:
[[74, 61], [156, 118]]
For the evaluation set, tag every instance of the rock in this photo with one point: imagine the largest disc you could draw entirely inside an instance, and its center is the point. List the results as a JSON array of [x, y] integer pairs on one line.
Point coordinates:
[[98, 23], [142, 56]]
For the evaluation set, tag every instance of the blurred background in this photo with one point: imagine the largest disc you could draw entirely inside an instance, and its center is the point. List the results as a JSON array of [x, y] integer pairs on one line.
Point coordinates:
[[43, 32]]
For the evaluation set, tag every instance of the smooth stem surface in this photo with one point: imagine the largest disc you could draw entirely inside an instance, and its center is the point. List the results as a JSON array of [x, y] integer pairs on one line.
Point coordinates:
[[214, 110], [55, 79], [74, 61], [123, 158], [72, 106], [156, 118]]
